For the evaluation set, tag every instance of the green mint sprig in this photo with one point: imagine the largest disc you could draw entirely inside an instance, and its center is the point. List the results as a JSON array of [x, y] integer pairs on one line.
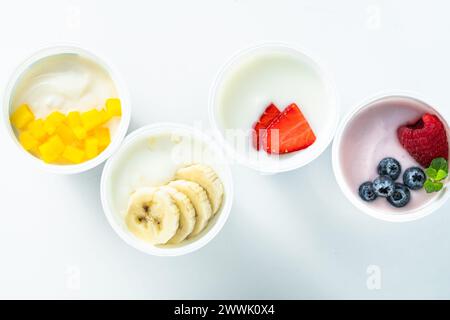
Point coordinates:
[[436, 173]]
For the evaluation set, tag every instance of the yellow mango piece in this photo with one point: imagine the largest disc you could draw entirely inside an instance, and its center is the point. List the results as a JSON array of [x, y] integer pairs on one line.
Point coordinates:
[[56, 117], [105, 116], [35, 152], [53, 121], [22, 116], [114, 107], [37, 130], [28, 141], [66, 134], [78, 144], [60, 160], [52, 149], [79, 132], [91, 148], [74, 119], [91, 119], [73, 154], [49, 127], [103, 136]]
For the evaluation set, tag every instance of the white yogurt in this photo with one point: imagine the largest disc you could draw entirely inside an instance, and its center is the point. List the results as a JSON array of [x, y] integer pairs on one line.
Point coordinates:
[[64, 82], [276, 77]]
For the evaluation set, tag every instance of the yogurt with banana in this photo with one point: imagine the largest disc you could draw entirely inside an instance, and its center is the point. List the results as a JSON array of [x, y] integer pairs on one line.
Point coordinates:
[[166, 187]]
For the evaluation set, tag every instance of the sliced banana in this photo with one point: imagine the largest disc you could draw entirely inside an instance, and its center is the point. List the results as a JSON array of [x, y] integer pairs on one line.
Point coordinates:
[[199, 200], [206, 178], [187, 214], [152, 215]]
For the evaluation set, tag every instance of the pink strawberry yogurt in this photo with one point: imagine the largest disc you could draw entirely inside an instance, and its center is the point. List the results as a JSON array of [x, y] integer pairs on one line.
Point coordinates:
[[370, 136]]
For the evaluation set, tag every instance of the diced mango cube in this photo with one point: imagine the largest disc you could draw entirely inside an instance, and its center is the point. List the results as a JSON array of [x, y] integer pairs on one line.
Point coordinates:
[[49, 127], [56, 117], [105, 116], [53, 121], [37, 130], [66, 134], [22, 116], [74, 119], [79, 132], [35, 152], [62, 139], [91, 147], [78, 144], [52, 149], [113, 107], [91, 119], [73, 154], [103, 136], [28, 141], [61, 160]]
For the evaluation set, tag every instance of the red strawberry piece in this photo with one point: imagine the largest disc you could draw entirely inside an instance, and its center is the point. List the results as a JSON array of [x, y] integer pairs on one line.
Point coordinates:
[[425, 139], [289, 132], [270, 113]]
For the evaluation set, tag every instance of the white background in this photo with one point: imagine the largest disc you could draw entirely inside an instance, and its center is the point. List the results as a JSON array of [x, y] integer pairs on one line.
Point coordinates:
[[292, 235]]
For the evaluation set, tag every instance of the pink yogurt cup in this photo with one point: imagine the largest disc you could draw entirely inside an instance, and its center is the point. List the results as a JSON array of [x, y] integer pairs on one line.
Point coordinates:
[[369, 134]]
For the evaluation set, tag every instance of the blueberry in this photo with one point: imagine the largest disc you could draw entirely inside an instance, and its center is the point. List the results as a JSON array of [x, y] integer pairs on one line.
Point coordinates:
[[383, 186], [414, 178], [389, 167], [400, 197], [366, 191]]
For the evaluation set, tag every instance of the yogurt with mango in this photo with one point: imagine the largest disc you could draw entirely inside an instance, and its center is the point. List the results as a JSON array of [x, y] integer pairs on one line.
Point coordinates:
[[65, 109]]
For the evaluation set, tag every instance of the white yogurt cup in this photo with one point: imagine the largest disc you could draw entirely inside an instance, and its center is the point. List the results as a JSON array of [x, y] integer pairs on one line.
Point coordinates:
[[131, 167], [351, 192], [119, 133], [257, 76]]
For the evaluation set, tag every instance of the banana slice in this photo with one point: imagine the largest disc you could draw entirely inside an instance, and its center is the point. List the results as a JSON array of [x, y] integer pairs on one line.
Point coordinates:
[[207, 179], [187, 214], [152, 215], [199, 200]]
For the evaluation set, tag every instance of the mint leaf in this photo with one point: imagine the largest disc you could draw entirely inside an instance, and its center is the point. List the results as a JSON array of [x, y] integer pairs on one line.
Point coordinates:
[[431, 173], [441, 175], [439, 164], [429, 186], [437, 172], [438, 186]]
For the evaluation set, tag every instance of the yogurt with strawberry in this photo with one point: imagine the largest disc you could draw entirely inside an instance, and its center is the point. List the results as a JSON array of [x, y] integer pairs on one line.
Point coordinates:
[[279, 88], [409, 134]]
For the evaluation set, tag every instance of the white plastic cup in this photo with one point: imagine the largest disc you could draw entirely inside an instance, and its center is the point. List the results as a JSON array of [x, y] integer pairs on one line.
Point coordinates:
[[117, 221], [118, 135], [282, 163], [352, 195]]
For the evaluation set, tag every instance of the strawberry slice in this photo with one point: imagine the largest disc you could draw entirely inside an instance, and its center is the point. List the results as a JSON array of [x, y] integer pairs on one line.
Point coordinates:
[[270, 113], [292, 130]]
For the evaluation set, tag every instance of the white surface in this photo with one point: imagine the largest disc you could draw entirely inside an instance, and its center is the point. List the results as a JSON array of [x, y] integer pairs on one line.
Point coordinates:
[[292, 235]]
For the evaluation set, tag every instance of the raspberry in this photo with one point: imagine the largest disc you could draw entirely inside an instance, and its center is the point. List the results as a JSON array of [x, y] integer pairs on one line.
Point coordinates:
[[424, 140]]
